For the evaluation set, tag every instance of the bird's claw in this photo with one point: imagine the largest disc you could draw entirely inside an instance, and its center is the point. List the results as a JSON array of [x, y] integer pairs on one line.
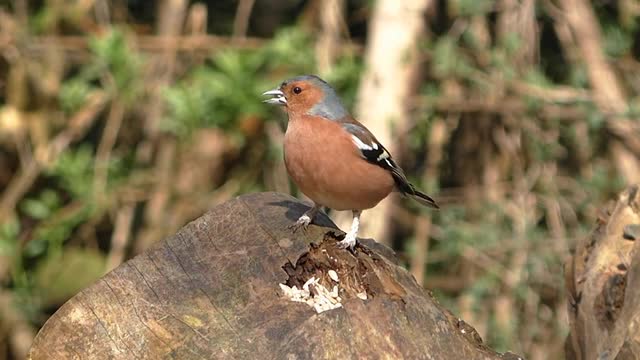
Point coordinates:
[[349, 242], [302, 223]]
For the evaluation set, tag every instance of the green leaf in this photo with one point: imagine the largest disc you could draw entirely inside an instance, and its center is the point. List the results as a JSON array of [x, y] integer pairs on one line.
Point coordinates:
[[73, 94], [448, 60], [41, 207], [57, 278], [113, 56], [74, 170], [472, 7], [52, 233], [616, 42], [9, 232], [35, 208]]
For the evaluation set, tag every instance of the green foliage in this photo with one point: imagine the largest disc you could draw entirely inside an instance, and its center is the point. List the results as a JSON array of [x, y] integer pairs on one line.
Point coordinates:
[[73, 94], [511, 43], [617, 42], [601, 185], [472, 7], [74, 171], [448, 60], [52, 233], [55, 284], [535, 76], [217, 95], [42, 207], [115, 59], [113, 63], [290, 51], [223, 92], [345, 78], [9, 232]]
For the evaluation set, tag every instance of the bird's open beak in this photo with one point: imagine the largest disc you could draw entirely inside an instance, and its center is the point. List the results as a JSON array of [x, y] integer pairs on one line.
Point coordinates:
[[277, 99]]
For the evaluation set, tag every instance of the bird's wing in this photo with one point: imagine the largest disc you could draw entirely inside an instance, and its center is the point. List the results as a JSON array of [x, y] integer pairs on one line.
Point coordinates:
[[373, 151]]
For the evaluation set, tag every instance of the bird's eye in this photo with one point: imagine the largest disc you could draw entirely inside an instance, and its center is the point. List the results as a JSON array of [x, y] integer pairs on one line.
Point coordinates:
[[297, 90]]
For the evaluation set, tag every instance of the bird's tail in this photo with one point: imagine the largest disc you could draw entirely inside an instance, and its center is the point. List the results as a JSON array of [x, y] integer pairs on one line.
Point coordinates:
[[407, 189], [424, 199]]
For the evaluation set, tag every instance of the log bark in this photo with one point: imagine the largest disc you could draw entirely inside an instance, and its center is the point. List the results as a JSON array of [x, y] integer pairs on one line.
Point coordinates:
[[212, 291], [603, 285]]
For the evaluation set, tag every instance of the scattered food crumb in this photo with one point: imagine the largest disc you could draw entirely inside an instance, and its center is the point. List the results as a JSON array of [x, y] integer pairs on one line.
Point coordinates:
[[314, 294], [333, 275], [362, 295]]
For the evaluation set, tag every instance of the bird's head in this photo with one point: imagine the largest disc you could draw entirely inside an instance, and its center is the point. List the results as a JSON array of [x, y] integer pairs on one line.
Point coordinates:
[[308, 95]]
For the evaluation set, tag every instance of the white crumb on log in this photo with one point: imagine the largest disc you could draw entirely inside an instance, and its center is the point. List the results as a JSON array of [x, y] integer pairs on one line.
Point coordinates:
[[314, 294], [333, 275]]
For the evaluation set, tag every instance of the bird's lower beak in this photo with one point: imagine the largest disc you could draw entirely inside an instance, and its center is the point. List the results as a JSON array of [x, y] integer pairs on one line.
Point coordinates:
[[277, 99]]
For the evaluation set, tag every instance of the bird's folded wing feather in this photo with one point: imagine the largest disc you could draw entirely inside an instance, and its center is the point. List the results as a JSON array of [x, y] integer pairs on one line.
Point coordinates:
[[372, 151]]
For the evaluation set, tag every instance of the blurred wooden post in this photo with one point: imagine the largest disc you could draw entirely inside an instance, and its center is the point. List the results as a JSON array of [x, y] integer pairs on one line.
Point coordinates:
[[241, 21], [391, 61], [328, 43]]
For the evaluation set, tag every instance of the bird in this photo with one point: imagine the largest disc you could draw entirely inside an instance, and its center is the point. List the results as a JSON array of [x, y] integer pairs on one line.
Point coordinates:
[[334, 159]]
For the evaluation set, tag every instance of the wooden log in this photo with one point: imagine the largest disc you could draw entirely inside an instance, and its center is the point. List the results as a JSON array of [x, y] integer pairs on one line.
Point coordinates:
[[212, 291], [603, 285]]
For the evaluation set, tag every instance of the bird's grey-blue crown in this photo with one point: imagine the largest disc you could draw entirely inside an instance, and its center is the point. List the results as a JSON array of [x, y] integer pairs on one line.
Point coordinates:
[[330, 106]]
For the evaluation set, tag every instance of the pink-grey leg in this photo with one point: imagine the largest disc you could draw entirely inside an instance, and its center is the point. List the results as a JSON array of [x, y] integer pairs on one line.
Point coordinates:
[[351, 238], [306, 218]]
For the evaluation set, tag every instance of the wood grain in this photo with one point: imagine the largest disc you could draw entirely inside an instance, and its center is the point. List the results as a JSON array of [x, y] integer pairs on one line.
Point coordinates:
[[211, 291]]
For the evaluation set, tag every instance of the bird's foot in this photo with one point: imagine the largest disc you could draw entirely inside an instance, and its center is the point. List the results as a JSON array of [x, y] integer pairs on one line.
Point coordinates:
[[349, 241], [302, 223]]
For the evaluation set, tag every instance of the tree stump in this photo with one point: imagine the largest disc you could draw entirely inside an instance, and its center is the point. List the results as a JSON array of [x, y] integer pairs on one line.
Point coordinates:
[[603, 285], [212, 291]]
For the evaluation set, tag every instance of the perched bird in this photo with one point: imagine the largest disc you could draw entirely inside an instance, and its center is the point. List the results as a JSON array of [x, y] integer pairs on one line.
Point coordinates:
[[333, 158]]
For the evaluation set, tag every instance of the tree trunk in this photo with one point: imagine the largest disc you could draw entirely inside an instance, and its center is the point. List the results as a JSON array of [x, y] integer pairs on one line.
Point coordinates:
[[603, 285], [331, 23], [213, 291]]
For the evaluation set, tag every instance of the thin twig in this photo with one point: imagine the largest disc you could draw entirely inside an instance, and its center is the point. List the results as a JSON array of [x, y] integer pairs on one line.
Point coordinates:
[[120, 237], [108, 140]]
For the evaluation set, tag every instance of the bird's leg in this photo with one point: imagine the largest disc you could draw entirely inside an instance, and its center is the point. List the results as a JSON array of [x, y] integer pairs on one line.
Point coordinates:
[[350, 239], [306, 218]]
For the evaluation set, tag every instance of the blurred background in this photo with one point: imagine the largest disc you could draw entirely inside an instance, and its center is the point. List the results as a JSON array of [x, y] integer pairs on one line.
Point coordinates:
[[121, 121]]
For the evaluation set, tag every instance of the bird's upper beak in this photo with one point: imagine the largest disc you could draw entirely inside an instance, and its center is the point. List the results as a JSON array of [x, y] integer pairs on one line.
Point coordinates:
[[277, 99]]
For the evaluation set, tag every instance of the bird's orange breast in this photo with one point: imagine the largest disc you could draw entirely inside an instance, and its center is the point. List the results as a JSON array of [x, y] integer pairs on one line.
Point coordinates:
[[323, 161]]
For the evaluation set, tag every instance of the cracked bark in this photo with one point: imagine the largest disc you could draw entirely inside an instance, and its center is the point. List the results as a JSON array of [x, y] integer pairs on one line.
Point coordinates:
[[211, 291], [603, 285]]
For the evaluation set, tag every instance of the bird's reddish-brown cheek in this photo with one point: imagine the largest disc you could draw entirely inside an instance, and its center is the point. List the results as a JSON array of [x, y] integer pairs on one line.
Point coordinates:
[[307, 99]]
